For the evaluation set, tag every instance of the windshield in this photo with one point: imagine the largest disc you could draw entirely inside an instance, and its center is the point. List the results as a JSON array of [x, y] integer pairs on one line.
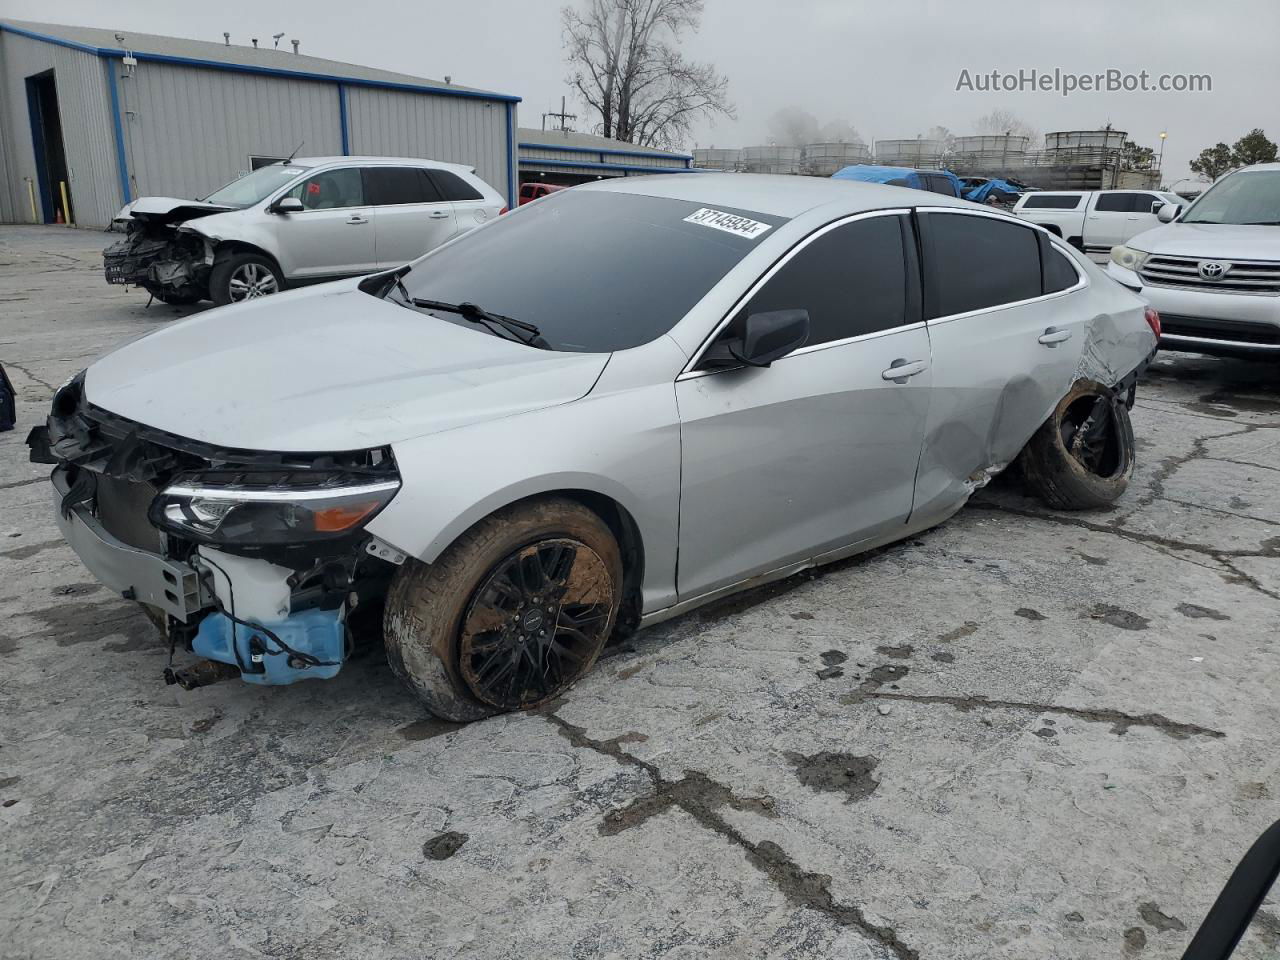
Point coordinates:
[[255, 186], [593, 271], [1242, 199]]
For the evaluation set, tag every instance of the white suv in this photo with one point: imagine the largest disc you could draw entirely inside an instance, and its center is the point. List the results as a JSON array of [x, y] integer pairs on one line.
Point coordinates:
[[295, 222]]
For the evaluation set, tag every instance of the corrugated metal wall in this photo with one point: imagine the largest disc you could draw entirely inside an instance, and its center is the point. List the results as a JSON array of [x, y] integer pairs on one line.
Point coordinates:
[[87, 134], [454, 129], [190, 130]]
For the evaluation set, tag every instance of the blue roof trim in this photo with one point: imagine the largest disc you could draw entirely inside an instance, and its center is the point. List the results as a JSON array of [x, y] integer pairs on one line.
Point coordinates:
[[58, 41], [534, 163], [612, 152], [263, 71]]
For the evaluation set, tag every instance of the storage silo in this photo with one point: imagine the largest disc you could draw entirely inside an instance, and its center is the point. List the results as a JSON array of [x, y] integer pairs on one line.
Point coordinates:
[[824, 159], [926, 154], [989, 152], [714, 158], [771, 159], [1079, 146]]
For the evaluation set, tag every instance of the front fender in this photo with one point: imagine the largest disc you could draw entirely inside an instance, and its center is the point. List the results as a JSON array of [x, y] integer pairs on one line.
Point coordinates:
[[235, 228], [623, 445]]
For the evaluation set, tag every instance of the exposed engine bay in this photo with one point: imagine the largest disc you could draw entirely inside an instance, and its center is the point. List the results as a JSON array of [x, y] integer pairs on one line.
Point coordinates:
[[159, 255], [256, 562]]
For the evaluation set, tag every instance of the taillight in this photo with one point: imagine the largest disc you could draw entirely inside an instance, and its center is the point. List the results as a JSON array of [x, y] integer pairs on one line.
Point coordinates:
[[1153, 320], [503, 210]]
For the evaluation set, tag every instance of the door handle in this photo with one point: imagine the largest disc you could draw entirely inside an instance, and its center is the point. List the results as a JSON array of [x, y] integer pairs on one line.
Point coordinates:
[[1053, 336], [438, 215], [900, 370], [356, 218]]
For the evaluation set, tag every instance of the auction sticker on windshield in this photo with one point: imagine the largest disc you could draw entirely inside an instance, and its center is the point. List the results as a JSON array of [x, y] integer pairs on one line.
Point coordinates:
[[728, 222]]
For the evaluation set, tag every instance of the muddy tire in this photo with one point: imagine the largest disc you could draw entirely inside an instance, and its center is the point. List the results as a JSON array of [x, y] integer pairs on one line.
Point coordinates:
[[238, 277], [514, 612], [1082, 457]]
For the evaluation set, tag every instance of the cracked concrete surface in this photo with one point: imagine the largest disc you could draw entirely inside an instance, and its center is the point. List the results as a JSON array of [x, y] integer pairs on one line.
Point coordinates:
[[725, 785]]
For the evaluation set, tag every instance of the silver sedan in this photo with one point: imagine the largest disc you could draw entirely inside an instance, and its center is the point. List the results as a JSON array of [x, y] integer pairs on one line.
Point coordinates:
[[615, 404]]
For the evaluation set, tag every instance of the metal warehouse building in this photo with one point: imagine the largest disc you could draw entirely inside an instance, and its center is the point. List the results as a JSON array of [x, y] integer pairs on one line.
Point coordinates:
[[117, 116], [565, 157]]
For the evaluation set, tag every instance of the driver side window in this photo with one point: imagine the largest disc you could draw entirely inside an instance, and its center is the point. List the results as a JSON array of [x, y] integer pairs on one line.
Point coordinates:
[[330, 190], [852, 280]]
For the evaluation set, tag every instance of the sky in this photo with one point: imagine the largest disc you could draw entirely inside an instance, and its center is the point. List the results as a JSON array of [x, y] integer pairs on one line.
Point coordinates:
[[889, 69]]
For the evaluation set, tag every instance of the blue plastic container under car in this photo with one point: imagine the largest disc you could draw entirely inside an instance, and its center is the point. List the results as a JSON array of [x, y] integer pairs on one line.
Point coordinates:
[[318, 633]]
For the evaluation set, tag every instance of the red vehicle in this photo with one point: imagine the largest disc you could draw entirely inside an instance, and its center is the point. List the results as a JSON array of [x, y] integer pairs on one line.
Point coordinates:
[[532, 191]]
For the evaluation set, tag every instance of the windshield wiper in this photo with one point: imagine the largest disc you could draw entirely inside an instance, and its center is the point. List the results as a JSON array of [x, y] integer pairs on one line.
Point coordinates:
[[510, 327]]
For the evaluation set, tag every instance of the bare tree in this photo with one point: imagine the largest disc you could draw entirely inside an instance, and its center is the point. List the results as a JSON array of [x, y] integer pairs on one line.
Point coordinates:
[[1006, 122], [629, 71]]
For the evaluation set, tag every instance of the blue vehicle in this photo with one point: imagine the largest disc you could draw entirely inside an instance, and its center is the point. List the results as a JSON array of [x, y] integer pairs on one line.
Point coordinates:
[[977, 189], [936, 181]]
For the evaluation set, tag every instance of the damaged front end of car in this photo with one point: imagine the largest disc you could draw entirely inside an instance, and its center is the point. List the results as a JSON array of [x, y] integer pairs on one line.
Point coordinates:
[[256, 562], [160, 255]]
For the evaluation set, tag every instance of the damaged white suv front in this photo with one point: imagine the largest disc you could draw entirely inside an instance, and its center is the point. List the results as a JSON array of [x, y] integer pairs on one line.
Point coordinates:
[[296, 222]]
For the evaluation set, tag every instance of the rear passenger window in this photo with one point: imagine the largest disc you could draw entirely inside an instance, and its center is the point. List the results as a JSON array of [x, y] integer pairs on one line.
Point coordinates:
[[452, 186], [1051, 201], [388, 186], [852, 280], [942, 185], [980, 262], [1058, 272], [1117, 203]]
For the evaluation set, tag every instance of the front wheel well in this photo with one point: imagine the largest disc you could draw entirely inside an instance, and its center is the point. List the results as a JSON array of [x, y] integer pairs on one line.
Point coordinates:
[[625, 531], [229, 248]]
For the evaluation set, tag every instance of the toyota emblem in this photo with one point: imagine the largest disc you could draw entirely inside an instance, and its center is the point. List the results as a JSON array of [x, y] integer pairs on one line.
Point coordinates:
[[1212, 269]]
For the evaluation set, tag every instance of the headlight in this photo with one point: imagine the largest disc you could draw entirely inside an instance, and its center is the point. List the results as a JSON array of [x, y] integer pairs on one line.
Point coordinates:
[[1128, 257], [235, 510]]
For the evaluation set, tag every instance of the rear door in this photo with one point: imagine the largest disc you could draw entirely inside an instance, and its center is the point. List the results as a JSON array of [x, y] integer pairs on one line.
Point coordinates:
[[333, 234], [470, 207], [412, 217], [818, 450], [1006, 334]]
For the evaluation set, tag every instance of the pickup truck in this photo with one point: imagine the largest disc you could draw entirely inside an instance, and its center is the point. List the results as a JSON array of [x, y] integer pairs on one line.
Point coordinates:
[[1213, 269], [1093, 220]]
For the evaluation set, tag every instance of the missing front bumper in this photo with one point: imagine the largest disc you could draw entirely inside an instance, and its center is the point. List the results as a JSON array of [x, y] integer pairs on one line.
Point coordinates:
[[175, 588]]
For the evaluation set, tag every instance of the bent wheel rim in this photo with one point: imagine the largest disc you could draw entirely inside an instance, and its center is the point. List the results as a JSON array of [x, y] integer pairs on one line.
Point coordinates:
[[251, 280], [535, 623], [1090, 429]]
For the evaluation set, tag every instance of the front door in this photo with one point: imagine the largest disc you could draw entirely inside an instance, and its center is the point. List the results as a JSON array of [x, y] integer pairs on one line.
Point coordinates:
[[819, 450], [1006, 336], [333, 234], [413, 218]]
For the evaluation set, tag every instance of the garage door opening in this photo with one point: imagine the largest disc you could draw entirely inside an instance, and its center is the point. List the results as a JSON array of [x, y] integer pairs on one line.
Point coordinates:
[[53, 186]]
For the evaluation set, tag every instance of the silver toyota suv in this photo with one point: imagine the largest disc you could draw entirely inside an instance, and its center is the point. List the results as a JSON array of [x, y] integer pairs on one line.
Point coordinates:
[[1213, 271], [296, 222]]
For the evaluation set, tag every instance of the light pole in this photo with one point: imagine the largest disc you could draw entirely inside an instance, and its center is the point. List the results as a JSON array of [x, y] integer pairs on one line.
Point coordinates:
[[1160, 163]]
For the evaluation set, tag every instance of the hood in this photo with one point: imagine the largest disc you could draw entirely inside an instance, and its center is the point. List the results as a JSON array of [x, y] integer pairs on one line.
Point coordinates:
[[327, 369], [1210, 240], [168, 209]]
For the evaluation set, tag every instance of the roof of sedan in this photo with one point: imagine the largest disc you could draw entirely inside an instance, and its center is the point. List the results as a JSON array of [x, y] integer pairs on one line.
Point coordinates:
[[777, 195]]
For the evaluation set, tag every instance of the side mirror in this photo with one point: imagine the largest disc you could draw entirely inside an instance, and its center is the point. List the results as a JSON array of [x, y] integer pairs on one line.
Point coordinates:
[[766, 337], [287, 205], [1156, 205], [1168, 212]]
